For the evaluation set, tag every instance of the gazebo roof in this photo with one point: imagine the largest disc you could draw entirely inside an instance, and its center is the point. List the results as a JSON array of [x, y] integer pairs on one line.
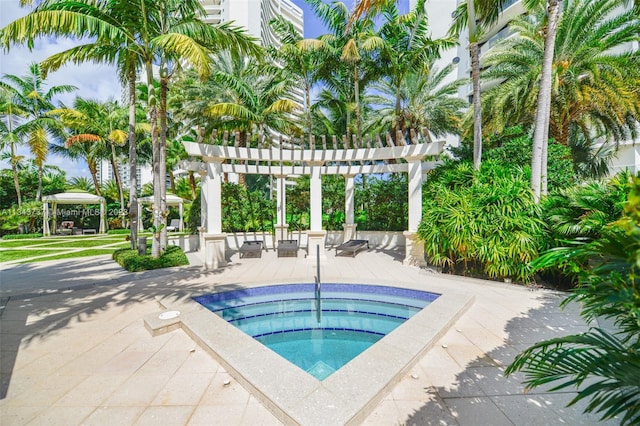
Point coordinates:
[[172, 200], [74, 198]]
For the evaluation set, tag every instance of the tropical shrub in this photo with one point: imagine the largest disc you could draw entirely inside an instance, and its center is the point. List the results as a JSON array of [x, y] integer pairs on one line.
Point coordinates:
[[604, 365], [584, 210], [133, 262], [483, 223]]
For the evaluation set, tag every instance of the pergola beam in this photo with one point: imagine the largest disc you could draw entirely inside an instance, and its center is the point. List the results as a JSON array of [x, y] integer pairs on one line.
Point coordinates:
[[330, 155], [353, 169]]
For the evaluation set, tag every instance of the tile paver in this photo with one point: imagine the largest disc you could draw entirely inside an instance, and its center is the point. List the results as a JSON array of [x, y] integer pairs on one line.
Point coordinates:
[[82, 355]]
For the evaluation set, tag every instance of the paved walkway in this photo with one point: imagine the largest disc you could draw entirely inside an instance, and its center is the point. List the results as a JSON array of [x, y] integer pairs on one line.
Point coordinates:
[[74, 349]]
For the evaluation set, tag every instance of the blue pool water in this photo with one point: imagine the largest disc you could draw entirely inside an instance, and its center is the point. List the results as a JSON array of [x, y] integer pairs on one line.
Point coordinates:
[[319, 336]]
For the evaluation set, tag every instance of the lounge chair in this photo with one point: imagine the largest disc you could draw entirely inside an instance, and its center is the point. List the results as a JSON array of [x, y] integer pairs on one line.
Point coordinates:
[[251, 248], [288, 248], [174, 225], [352, 246]]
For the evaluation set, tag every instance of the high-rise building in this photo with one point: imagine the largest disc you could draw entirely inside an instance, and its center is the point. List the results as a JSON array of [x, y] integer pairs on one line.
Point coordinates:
[[254, 15], [144, 174]]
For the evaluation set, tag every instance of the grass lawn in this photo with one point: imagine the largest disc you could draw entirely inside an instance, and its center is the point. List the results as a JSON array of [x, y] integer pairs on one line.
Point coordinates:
[[9, 255], [27, 242], [74, 254], [90, 242], [59, 247]]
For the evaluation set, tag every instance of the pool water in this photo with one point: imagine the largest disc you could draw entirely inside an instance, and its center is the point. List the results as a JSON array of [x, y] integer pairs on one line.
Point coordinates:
[[318, 335]]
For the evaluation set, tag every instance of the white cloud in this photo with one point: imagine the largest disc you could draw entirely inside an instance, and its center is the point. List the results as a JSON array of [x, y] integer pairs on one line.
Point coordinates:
[[94, 81]]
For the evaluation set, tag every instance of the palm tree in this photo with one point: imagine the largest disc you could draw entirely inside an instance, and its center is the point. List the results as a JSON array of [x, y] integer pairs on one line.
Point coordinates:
[[102, 124], [352, 48], [166, 30], [407, 49], [11, 114], [81, 183], [591, 79], [36, 127], [256, 98], [300, 59], [421, 101], [603, 365], [476, 16]]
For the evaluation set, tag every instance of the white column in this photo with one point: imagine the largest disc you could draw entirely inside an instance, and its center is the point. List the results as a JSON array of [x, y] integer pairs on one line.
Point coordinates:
[[103, 211], [349, 224], [214, 196], [316, 234], [203, 199], [140, 221], [282, 232], [181, 213], [45, 219], [214, 240], [414, 248]]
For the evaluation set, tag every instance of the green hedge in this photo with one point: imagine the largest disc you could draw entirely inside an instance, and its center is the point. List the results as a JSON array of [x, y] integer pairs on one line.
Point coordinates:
[[20, 236], [119, 231], [133, 262]]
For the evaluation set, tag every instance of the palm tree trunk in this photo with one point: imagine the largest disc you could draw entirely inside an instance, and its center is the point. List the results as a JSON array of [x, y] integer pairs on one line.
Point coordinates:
[[14, 168], [93, 169], [307, 100], [192, 184], [544, 100], [116, 175], [474, 51], [356, 87], [39, 191], [164, 83], [155, 143], [133, 178]]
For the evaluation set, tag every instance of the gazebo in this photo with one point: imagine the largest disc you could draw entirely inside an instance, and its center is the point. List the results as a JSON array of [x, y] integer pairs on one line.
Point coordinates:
[[171, 200], [380, 155], [83, 198]]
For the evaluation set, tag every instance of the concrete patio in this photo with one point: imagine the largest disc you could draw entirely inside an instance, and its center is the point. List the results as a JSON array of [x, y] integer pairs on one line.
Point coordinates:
[[75, 351]]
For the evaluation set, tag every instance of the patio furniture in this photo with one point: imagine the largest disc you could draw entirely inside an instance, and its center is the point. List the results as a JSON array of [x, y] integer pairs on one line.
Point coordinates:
[[88, 231], [66, 227], [288, 248], [251, 249], [352, 246], [174, 225]]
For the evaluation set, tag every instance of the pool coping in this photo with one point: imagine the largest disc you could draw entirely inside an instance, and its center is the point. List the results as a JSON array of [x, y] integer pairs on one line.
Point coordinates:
[[346, 397]]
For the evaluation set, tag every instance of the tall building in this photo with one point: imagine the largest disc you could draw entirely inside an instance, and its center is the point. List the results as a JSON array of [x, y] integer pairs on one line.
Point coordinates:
[[254, 15], [144, 174]]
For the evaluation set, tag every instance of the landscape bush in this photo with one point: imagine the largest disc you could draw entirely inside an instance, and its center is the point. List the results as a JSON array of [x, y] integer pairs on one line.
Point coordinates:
[[133, 262], [20, 236]]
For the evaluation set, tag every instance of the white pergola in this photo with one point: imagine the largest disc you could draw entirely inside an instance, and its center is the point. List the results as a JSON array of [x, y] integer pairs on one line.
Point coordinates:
[[171, 200], [77, 198], [281, 162]]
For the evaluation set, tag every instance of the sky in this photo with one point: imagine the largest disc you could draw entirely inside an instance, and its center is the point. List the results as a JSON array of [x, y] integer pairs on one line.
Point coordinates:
[[94, 81]]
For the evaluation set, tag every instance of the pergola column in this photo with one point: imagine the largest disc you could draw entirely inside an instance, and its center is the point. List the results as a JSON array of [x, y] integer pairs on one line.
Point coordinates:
[[414, 248], [349, 224], [316, 234], [45, 219], [282, 227], [214, 239]]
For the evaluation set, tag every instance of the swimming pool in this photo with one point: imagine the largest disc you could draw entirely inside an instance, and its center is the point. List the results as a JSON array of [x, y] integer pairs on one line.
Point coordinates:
[[319, 335]]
